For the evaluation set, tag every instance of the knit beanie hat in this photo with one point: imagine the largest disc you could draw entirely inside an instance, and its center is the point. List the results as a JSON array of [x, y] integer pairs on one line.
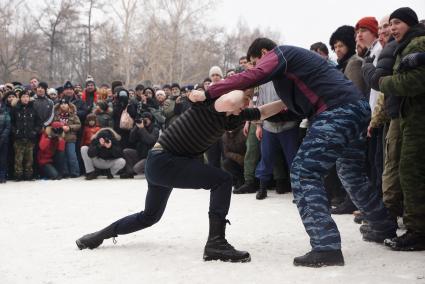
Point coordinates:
[[90, 79], [369, 23], [406, 15], [215, 70], [68, 85]]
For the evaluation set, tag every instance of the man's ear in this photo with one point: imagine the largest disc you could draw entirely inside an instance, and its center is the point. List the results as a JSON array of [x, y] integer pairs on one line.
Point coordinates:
[[263, 51]]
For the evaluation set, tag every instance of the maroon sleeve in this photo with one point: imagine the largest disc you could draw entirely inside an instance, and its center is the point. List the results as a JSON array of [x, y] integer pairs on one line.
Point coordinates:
[[266, 67]]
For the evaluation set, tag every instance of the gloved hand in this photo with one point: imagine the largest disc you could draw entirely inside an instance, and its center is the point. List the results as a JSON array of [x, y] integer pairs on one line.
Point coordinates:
[[412, 61], [369, 59]]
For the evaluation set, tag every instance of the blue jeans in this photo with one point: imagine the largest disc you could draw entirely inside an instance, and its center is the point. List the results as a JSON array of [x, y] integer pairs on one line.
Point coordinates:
[[164, 171], [270, 144], [71, 166], [54, 170], [336, 136]]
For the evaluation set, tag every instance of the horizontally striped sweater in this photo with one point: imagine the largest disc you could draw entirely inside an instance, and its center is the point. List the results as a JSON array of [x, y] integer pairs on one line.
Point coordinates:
[[200, 127]]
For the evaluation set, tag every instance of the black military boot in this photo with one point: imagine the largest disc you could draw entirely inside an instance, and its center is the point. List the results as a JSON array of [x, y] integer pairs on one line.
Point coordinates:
[[262, 192], [283, 186], [217, 247], [95, 239], [320, 258], [346, 207], [379, 231], [409, 241], [247, 187]]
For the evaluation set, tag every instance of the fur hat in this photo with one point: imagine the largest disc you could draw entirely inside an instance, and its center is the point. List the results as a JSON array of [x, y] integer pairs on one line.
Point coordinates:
[[406, 15], [51, 91], [369, 23], [346, 35], [215, 70]]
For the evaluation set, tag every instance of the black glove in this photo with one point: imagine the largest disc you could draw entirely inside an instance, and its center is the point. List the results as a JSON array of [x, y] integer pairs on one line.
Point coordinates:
[[412, 61], [369, 59]]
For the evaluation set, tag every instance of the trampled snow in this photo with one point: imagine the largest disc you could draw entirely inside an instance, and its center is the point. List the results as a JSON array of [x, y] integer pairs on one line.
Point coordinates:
[[40, 221]]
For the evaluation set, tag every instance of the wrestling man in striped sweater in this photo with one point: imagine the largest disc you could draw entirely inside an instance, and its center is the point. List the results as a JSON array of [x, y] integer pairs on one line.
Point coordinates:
[[174, 163]]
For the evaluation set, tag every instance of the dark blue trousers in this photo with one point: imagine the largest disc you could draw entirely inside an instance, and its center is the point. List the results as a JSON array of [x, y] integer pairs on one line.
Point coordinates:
[[165, 171], [271, 143]]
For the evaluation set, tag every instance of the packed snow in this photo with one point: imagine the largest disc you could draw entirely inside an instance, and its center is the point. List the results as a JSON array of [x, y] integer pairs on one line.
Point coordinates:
[[41, 220]]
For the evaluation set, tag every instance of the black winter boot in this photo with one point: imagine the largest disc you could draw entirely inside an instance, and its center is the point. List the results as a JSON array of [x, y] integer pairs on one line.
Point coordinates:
[[109, 175], [95, 239], [217, 247], [283, 186], [346, 207], [409, 241], [320, 258], [247, 187], [92, 175], [126, 176], [379, 231], [262, 192]]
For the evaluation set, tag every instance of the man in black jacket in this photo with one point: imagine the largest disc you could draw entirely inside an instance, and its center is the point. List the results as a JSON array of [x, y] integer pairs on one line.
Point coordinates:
[[103, 153], [143, 135]]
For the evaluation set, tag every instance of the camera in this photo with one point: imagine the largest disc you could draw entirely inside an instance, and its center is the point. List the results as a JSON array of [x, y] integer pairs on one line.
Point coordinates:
[[57, 131]]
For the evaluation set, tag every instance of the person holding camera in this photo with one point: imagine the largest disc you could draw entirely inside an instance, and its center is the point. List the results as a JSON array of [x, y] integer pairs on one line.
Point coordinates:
[[143, 135], [103, 153], [51, 153]]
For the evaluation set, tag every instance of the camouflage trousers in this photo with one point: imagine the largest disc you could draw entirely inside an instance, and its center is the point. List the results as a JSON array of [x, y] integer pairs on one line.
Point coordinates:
[[23, 157], [336, 137], [412, 170]]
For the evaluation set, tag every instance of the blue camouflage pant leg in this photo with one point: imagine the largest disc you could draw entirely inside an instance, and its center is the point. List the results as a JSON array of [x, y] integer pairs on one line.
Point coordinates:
[[335, 137]]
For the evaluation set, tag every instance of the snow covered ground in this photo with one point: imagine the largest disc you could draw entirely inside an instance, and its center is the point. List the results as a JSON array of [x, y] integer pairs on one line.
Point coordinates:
[[40, 221]]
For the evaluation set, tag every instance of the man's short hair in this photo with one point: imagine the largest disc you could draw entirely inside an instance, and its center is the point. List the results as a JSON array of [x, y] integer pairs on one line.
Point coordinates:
[[319, 46], [257, 45], [243, 58]]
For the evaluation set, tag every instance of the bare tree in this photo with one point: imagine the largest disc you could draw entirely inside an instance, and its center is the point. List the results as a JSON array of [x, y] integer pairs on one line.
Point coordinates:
[[53, 21], [16, 38], [91, 26]]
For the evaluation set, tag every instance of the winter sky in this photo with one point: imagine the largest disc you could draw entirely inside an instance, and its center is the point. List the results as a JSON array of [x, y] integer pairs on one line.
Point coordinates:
[[301, 22]]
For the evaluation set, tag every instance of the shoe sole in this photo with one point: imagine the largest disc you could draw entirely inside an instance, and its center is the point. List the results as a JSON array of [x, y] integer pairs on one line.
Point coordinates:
[[318, 265], [242, 260], [409, 248]]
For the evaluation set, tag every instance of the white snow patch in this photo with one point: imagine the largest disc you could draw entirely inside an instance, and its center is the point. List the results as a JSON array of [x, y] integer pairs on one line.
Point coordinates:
[[40, 222]]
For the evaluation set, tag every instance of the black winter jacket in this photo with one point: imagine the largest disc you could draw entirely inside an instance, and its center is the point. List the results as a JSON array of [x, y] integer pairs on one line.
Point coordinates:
[[25, 122], [98, 151], [384, 67]]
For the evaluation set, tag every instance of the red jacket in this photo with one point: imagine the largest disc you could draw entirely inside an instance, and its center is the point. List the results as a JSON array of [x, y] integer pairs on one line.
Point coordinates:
[[48, 148], [88, 134]]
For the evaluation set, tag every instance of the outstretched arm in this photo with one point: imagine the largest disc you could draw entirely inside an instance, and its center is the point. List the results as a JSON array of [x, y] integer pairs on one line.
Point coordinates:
[[271, 109]]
